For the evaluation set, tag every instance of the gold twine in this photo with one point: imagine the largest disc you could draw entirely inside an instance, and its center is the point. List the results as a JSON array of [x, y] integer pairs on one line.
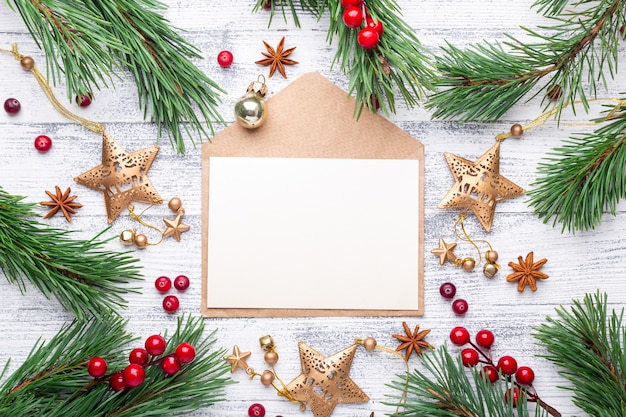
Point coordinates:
[[134, 216], [43, 83]]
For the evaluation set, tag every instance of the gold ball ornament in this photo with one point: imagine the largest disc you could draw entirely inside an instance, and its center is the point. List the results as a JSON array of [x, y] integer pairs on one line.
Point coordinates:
[[468, 264], [174, 204], [369, 344], [141, 241], [491, 256], [517, 130], [267, 377], [251, 109], [271, 358], [266, 343], [27, 63], [490, 270], [127, 237]]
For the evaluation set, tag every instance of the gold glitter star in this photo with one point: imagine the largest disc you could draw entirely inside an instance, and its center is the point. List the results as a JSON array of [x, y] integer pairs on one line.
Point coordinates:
[[445, 252], [478, 185], [238, 359], [122, 177], [175, 227], [325, 382]]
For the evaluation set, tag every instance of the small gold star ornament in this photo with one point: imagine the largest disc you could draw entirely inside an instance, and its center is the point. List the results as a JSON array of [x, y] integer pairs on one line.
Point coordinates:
[[445, 252], [478, 185], [325, 381], [122, 177], [238, 359]]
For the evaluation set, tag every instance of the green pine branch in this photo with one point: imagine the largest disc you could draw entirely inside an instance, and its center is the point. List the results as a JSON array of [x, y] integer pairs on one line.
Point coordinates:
[[448, 389], [82, 275], [399, 64], [484, 81], [53, 380], [87, 43], [582, 179], [589, 343]]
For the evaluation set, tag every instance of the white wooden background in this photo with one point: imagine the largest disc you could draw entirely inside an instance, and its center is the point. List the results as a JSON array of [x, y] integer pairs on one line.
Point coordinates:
[[577, 263]]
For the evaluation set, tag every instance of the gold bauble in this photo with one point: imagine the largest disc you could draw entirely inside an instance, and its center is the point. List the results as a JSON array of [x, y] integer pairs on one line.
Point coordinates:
[[271, 358], [174, 204], [490, 270], [141, 241], [468, 264], [127, 237], [517, 130], [250, 111], [267, 377], [267, 343], [491, 256], [369, 344], [27, 63]]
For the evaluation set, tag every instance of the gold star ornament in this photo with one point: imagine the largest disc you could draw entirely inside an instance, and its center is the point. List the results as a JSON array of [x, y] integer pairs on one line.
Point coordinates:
[[325, 381], [175, 227], [478, 185], [122, 177], [445, 252], [238, 359]]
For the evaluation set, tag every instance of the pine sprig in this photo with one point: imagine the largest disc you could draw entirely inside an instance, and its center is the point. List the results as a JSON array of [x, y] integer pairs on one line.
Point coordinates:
[[484, 81], [82, 275], [590, 344], [585, 176], [89, 42], [53, 381], [399, 64], [449, 389]]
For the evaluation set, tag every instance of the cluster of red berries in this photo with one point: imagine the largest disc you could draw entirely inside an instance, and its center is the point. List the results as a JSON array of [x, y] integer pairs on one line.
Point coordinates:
[[152, 355], [355, 15], [506, 366], [163, 285], [448, 291]]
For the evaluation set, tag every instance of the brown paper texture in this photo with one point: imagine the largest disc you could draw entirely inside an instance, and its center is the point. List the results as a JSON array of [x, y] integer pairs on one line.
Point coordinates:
[[312, 118]]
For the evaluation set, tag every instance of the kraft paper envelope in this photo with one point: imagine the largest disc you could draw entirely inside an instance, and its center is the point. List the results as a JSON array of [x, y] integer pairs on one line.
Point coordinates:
[[312, 120]]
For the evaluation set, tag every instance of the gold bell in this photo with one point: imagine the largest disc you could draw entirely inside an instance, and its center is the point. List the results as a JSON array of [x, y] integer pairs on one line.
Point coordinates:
[[251, 109], [490, 270], [267, 343]]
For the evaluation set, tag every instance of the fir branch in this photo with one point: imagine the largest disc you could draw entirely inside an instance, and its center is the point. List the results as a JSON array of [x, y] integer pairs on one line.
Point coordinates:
[[53, 381], [448, 389], [399, 64], [82, 275], [484, 81], [585, 176], [589, 343], [88, 42]]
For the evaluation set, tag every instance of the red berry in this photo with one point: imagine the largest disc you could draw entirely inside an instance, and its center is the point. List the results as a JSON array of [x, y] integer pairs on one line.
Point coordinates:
[[447, 290], [460, 306], [268, 5], [225, 58], [181, 282], [97, 367], [350, 3], [507, 365], [170, 365], [368, 38], [43, 143], [138, 356], [377, 25], [459, 336], [134, 375], [117, 382], [185, 353], [524, 375], [513, 395], [84, 100], [490, 373], [353, 17], [12, 105], [256, 410], [155, 345], [171, 303], [485, 338], [163, 284], [469, 356]]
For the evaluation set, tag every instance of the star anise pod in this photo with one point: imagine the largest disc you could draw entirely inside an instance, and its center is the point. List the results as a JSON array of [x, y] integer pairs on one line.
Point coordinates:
[[527, 272], [277, 59], [61, 201], [412, 341]]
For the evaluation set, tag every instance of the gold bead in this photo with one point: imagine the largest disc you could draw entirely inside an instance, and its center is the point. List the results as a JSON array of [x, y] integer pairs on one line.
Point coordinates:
[[490, 270], [250, 111], [267, 377], [27, 63], [267, 343], [141, 241], [468, 264], [517, 130], [369, 344], [127, 237], [174, 204], [271, 358], [491, 256]]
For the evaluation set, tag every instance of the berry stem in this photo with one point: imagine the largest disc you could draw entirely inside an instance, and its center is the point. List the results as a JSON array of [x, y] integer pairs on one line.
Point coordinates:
[[551, 410], [488, 360]]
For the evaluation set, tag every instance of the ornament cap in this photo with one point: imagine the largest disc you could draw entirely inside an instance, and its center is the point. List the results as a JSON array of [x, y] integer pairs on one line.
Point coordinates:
[[258, 86]]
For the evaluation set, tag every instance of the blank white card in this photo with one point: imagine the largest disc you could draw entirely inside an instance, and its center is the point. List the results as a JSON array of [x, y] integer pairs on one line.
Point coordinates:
[[299, 233]]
